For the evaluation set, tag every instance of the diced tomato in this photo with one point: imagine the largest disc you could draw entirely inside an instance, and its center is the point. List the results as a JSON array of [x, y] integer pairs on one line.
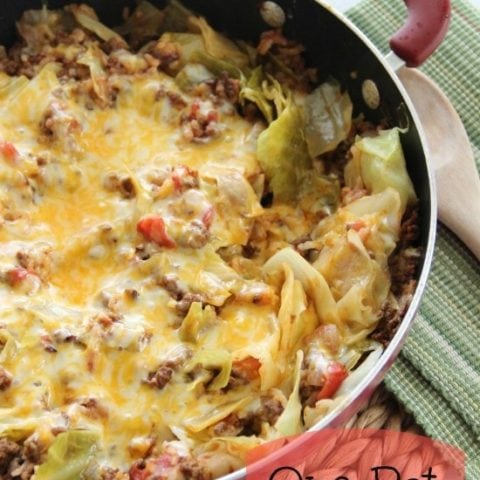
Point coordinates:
[[208, 216], [249, 367], [153, 229], [17, 276], [335, 374], [8, 150], [138, 471]]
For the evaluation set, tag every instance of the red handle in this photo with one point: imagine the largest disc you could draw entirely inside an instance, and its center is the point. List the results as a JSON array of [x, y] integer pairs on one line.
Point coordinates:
[[426, 27]]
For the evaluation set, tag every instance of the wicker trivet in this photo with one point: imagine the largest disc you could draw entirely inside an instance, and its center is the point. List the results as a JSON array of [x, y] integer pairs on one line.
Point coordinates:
[[383, 411]]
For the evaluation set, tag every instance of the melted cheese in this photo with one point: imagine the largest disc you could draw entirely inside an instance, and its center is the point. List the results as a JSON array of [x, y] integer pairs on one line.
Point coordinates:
[[92, 235]]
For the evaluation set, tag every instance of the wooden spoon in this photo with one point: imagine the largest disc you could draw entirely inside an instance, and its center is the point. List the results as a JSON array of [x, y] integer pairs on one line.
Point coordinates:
[[458, 182]]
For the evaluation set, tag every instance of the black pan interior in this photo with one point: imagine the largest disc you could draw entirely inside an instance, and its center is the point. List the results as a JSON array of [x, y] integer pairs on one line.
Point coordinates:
[[331, 45]]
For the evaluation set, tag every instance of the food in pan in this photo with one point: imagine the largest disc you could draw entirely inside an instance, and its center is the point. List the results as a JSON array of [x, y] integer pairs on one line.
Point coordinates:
[[201, 249]]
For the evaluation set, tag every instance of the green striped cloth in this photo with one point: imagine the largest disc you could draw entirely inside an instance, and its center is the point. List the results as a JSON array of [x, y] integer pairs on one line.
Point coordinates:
[[437, 376]]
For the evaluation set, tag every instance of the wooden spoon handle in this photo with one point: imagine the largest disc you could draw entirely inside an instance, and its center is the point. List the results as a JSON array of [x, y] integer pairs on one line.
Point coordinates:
[[450, 153], [459, 210]]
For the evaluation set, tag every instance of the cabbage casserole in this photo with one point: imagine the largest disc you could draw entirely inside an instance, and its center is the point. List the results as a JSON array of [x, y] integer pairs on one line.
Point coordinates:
[[202, 249]]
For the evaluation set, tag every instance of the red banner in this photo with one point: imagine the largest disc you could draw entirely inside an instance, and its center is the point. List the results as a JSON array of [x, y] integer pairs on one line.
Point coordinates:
[[356, 455]]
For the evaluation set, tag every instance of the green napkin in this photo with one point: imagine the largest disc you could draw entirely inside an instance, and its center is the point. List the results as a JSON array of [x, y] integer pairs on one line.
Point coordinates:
[[437, 376]]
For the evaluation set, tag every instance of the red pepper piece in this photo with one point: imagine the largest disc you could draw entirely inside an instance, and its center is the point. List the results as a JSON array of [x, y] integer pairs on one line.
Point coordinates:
[[153, 229], [335, 374]]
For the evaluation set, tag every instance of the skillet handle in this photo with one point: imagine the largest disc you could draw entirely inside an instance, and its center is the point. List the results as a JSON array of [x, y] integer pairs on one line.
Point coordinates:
[[424, 30]]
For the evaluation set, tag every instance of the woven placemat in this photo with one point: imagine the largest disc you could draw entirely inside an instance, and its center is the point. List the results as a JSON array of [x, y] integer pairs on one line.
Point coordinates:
[[385, 411]]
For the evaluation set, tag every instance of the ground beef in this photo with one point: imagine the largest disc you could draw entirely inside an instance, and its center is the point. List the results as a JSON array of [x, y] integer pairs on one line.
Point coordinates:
[[94, 408], [272, 408], [392, 314], [289, 66], [183, 305], [17, 462], [160, 377], [192, 470], [6, 379], [226, 88], [167, 54], [200, 124], [113, 182], [403, 266], [164, 372], [184, 298], [37, 260], [176, 100], [8, 451], [230, 426], [57, 123], [194, 235], [113, 474], [269, 412]]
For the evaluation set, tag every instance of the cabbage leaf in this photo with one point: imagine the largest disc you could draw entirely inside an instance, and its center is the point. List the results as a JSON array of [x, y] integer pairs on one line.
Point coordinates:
[[86, 17], [319, 193], [290, 421], [295, 319], [312, 281], [143, 24], [386, 205], [214, 415], [92, 59], [28, 100], [196, 320], [68, 456], [39, 27], [282, 152], [328, 118], [214, 360], [252, 91], [379, 163], [8, 346], [176, 17], [218, 46]]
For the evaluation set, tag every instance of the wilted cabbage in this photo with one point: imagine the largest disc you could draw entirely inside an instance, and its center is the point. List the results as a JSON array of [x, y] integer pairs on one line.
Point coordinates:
[[379, 163], [312, 281], [92, 59], [176, 17], [213, 416], [68, 456], [252, 90], [87, 18], [218, 46], [328, 118], [319, 193], [39, 27], [143, 24], [217, 360], [196, 320], [282, 152], [290, 421]]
